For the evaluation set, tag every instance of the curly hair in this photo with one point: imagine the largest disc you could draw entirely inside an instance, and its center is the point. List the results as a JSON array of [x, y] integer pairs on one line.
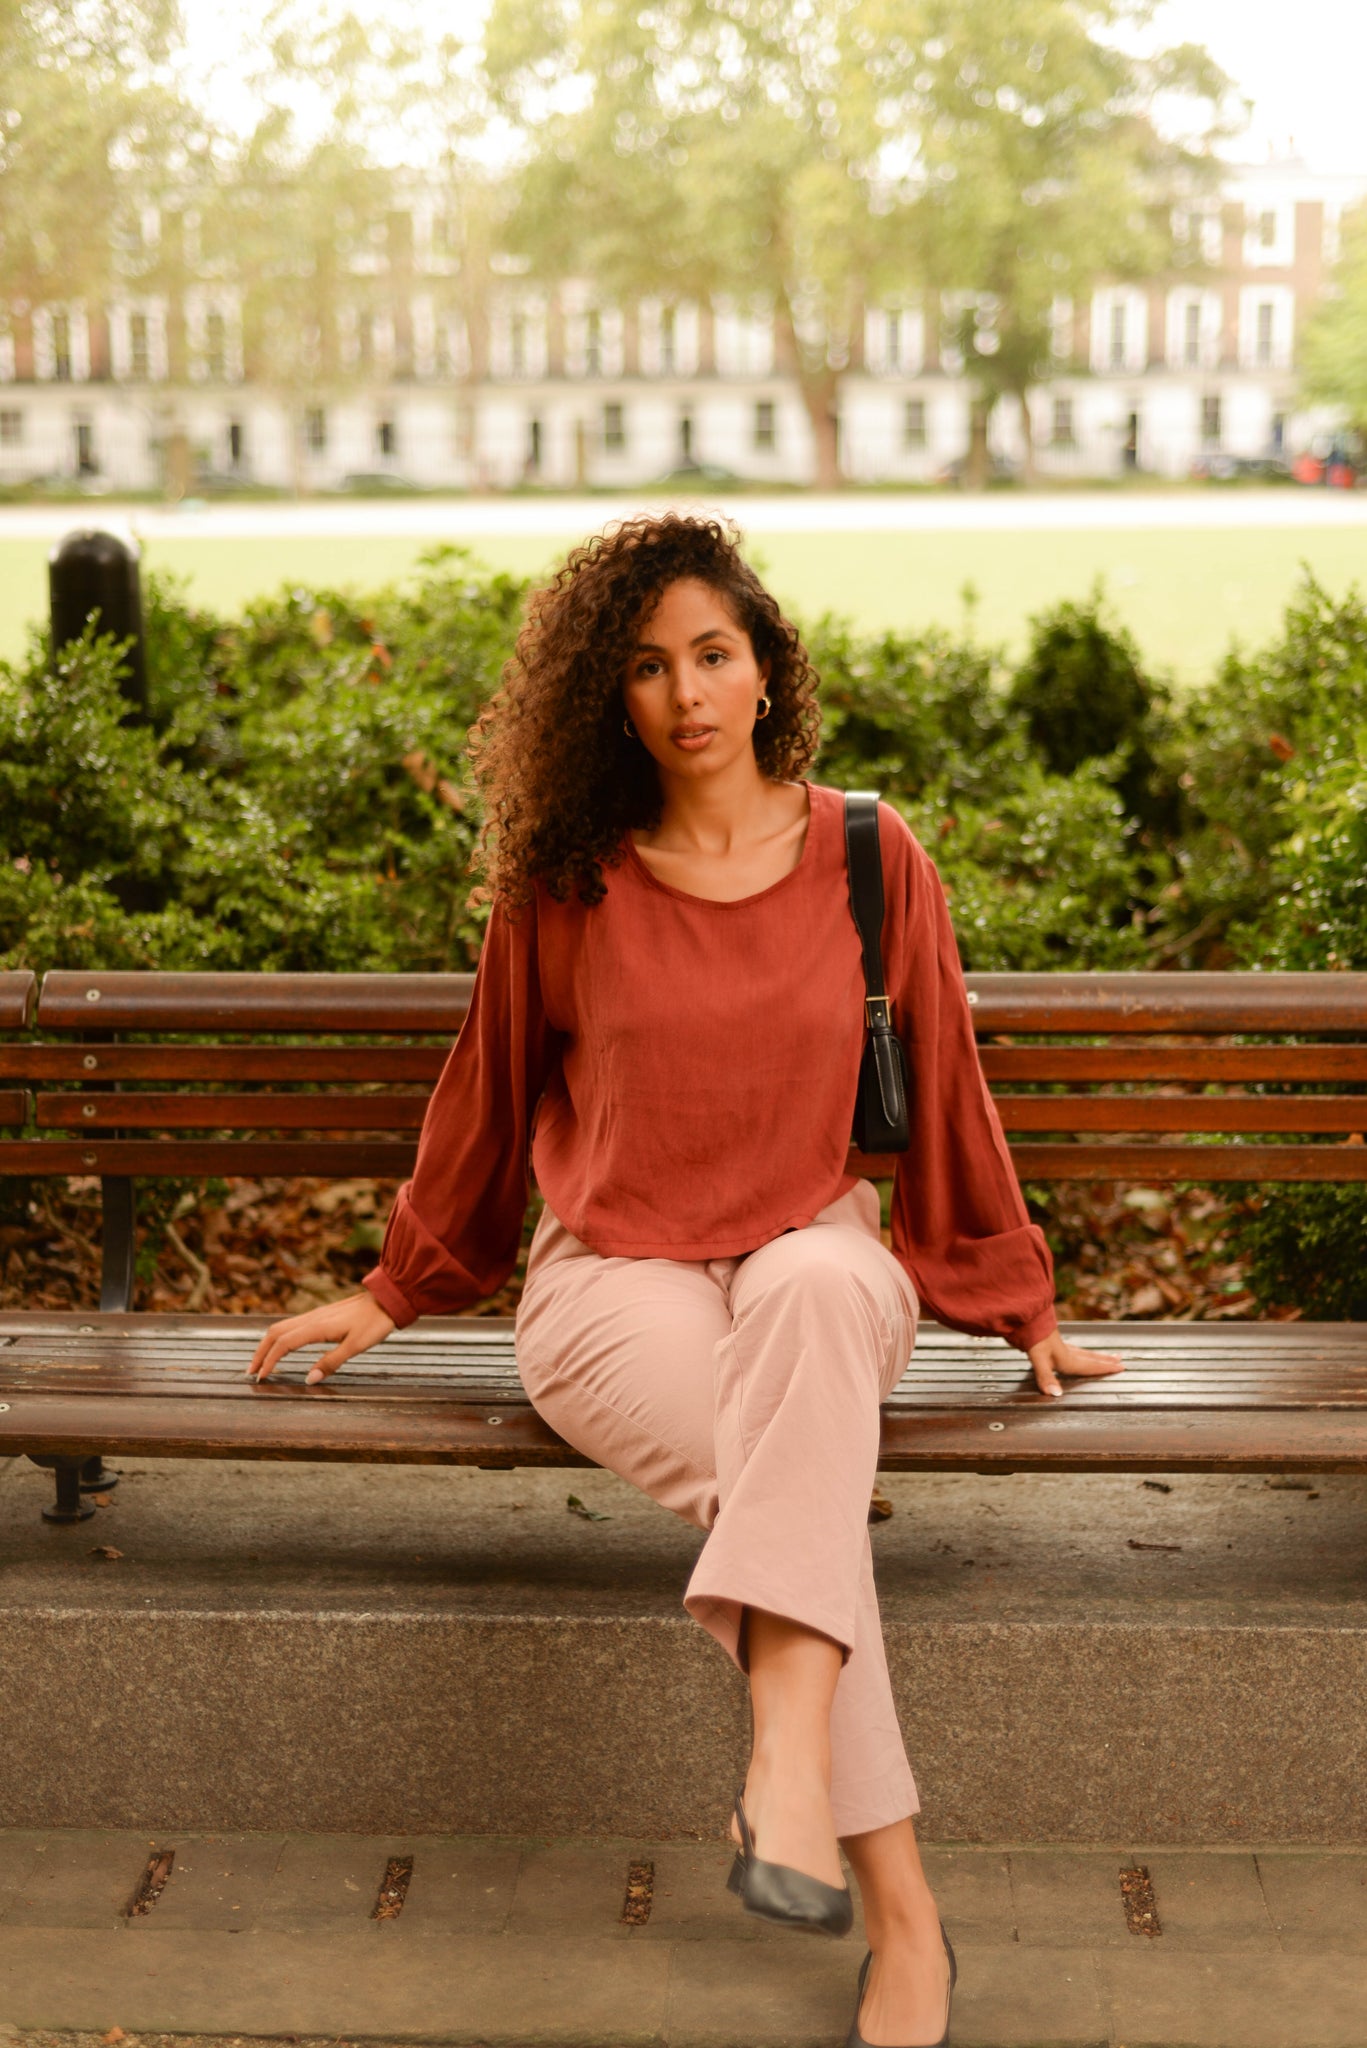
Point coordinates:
[[561, 782]]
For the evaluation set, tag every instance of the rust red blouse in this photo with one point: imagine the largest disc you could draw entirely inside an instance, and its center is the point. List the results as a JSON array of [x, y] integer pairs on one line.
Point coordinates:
[[681, 1074]]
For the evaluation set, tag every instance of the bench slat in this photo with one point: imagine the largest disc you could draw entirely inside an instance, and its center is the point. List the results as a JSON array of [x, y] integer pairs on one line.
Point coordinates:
[[314, 1112], [327, 1112], [13, 1108], [1159, 1062], [129, 1001], [139, 1157], [1173, 1112], [1149, 1165], [938, 1419], [451, 1433], [1198, 1003], [18, 992], [379, 1063], [376, 1159], [233, 1063]]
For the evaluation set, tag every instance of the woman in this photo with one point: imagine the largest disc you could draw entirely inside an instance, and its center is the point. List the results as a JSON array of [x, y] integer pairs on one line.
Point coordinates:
[[669, 1014]]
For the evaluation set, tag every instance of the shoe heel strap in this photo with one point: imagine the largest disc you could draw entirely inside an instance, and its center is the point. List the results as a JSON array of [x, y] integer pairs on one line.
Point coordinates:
[[747, 1840]]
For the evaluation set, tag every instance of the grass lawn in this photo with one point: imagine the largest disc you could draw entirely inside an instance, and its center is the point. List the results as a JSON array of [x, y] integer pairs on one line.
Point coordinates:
[[1184, 594]]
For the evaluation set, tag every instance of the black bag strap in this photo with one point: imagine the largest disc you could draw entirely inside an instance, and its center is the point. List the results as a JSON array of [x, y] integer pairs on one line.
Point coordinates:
[[865, 862]]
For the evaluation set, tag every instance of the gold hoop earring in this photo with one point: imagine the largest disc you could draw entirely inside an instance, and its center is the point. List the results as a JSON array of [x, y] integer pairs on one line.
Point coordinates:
[[629, 729], [764, 707]]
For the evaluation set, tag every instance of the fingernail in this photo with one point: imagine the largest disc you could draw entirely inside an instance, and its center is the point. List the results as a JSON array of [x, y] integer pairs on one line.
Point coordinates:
[[313, 1378], [1056, 1390]]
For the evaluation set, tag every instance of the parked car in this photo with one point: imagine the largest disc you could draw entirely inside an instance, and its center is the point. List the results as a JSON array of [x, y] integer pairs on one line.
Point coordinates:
[[375, 483], [1000, 470], [1335, 467], [1219, 468], [698, 476]]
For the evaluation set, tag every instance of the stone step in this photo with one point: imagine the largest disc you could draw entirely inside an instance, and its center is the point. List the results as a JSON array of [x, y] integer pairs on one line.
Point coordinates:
[[518, 1943], [366, 1649]]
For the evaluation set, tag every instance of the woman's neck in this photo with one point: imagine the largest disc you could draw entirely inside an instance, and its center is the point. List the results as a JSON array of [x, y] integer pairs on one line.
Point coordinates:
[[715, 814], [726, 850]]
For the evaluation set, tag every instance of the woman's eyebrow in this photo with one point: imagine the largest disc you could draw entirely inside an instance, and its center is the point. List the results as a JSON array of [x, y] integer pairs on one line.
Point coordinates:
[[712, 633]]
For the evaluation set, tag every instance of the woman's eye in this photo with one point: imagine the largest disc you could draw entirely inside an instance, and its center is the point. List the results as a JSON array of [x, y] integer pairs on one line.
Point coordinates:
[[714, 654]]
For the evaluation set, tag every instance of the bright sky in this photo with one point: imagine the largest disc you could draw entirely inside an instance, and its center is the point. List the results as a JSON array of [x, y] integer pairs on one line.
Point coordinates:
[[1302, 65]]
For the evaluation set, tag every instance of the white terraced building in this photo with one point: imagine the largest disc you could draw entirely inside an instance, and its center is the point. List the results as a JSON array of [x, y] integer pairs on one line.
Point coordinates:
[[567, 389]]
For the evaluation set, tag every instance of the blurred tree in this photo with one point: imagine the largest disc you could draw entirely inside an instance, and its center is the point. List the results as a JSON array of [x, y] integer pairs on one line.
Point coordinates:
[[1037, 166], [699, 149], [88, 115], [802, 156], [1334, 345]]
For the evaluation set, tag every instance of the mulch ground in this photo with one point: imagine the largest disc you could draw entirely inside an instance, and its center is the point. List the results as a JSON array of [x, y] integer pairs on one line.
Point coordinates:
[[280, 1247]]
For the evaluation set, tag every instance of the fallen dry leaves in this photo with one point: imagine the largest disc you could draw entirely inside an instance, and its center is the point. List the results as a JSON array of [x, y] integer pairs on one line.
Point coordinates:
[[280, 1247]]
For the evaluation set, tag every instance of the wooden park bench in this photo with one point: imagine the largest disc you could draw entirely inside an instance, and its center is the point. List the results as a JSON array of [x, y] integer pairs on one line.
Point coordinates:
[[1099, 1077]]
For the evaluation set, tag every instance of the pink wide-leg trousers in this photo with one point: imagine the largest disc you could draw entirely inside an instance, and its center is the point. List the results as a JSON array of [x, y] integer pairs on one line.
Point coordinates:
[[743, 1393]]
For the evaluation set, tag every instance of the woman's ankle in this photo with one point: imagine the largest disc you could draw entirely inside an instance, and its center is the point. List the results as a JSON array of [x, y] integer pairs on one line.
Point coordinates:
[[911, 1922]]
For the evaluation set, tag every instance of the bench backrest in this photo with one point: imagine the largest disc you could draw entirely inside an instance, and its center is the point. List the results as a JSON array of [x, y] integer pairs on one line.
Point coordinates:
[[1096, 1076]]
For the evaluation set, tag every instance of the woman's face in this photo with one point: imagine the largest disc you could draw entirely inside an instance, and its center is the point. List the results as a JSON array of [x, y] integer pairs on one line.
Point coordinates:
[[693, 685]]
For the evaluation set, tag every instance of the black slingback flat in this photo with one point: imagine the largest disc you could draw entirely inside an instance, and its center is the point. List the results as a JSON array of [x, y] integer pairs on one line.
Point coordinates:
[[775, 1892]]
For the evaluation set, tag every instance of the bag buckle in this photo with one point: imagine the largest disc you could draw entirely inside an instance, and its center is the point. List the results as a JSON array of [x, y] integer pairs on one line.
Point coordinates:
[[877, 1013]]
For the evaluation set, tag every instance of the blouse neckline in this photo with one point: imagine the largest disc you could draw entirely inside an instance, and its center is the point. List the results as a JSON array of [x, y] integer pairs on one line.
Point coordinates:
[[804, 861]]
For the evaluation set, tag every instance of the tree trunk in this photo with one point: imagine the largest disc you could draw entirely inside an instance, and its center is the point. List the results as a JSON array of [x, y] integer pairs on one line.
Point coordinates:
[[818, 395], [979, 413], [1029, 472], [819, 389]]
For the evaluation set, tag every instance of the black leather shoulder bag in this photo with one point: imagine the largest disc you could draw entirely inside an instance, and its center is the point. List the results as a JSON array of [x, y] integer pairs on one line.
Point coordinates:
[[881, 1122]]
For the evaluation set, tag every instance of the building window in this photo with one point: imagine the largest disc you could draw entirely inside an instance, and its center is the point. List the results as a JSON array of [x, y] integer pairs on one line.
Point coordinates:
[[614, 429], [764, 426], [533, 463], [1061, 429], [669, 341], [86, 464], [1263, 344], [237, 444], [11, 429], [386, 438], [1278, 433], [1267, 229], [61, 348], [1210, 420], [894, 341], [315, 429], [914, 423], [517, 345], [593, 343], [685, 435], [139, 361], [1191, 334], [215, 346], [1117, 348]]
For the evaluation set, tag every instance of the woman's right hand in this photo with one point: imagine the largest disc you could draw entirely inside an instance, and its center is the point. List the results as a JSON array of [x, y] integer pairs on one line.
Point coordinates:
[[348, 1326]]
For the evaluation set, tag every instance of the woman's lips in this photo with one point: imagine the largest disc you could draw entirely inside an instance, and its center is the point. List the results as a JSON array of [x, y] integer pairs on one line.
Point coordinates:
[[693, 738]]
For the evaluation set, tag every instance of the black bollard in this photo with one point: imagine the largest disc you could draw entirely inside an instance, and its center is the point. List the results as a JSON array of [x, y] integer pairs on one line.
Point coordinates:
[[97, 572]]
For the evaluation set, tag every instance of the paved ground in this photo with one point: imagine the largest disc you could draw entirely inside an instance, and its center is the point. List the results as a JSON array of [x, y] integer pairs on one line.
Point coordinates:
[[518, 1944], [853, 511]]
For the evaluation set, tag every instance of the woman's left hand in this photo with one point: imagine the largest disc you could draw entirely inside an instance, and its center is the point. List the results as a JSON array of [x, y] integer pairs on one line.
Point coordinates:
[[1054, 1355]]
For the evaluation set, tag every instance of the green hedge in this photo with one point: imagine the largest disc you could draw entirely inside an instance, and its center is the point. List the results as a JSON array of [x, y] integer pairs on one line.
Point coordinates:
[[297, 800]]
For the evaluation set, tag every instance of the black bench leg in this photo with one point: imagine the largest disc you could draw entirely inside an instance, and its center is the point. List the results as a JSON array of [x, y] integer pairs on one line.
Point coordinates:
[[118, 1243], [68, 1506], [96, 1476]]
